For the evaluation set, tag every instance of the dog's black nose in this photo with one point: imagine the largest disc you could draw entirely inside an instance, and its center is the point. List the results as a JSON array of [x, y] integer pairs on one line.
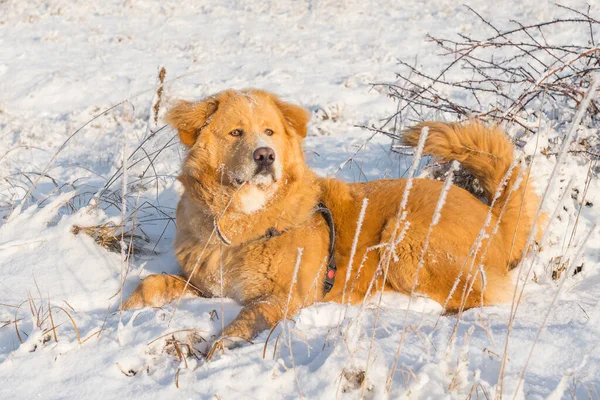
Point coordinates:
[[264, 156]]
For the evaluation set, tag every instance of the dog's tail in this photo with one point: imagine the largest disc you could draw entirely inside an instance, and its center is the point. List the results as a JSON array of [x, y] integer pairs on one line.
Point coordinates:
[[488, 154]]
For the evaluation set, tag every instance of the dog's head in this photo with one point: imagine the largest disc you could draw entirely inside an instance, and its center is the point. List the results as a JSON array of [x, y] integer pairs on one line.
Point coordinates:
[[249, 142]]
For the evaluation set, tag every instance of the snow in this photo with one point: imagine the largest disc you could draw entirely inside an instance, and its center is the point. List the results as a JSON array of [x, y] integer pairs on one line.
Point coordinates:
[[65, 62]]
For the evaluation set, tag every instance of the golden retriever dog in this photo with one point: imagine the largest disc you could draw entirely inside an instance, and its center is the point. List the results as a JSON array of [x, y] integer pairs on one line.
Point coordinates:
[[254, 222]]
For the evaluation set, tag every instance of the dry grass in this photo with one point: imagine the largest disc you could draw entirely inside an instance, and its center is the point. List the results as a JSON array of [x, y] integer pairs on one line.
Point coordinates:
[[109, 234], [45, 318]]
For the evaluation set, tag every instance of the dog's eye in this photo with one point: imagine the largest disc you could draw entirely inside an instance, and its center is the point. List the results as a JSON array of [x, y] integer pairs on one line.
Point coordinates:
[[236, 132], [269, 132]]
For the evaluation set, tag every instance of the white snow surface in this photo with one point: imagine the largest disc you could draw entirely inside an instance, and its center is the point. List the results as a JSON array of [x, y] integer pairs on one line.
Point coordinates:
[[65, 61]]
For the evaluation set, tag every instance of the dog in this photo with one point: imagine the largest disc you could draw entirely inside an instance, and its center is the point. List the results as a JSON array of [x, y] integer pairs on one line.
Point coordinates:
[[257, 225]]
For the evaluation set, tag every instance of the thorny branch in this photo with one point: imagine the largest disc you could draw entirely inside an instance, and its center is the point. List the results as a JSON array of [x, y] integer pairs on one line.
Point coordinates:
[[501, 75]]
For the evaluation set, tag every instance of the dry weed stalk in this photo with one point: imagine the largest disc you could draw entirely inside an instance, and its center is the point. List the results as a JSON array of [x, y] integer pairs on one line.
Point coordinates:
[[435, 219], [285, 316], [159, 92], [127, 120]]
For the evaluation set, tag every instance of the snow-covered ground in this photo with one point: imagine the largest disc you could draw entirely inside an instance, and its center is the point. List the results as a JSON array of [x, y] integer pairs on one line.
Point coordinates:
[[65, 61]]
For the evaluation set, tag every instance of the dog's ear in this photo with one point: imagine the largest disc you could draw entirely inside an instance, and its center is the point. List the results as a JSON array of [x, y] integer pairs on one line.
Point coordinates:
[[297, 117], [190, 117]]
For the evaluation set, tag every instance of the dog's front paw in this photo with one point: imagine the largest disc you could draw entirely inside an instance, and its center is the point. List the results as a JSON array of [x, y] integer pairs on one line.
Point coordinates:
[[225, 342]]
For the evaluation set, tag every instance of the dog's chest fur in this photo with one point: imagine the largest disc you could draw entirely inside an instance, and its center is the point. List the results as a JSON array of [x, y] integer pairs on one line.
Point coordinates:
[[245, 270]]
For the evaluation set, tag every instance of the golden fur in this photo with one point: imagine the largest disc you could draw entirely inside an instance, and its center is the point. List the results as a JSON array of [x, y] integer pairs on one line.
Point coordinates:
[[223, 189]]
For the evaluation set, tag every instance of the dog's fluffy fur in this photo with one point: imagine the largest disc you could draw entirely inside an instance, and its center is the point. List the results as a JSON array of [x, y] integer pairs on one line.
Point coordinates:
[[224, 188]]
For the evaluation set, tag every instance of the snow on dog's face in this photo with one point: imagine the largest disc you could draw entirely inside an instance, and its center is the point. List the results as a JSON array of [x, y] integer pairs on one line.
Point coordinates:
[[249, 142]]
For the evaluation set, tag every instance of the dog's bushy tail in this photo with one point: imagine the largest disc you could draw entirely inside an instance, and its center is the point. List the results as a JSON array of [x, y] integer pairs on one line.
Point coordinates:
[[488, 154]]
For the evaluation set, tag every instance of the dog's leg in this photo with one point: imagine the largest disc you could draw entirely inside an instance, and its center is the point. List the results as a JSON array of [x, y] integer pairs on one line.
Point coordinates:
[[438, 273], [156, 291], [254, 318], [444, 277]]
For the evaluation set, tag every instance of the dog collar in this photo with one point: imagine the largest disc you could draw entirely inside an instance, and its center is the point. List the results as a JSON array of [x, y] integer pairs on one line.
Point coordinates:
[[331, 266], [322, 209], [269, 233], [220, 235]]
